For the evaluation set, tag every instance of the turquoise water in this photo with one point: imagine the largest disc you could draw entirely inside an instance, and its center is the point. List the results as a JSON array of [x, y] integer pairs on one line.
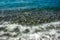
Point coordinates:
[[28, 3]]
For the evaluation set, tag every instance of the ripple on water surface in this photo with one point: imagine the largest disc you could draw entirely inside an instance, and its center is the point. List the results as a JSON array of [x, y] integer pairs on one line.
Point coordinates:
[[28, 3]]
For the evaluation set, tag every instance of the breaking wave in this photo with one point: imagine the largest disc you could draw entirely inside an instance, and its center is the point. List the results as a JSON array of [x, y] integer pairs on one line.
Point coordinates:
[[46, 31]]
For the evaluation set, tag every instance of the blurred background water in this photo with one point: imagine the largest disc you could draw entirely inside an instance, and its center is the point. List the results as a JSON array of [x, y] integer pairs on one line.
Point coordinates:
[[28, 3]]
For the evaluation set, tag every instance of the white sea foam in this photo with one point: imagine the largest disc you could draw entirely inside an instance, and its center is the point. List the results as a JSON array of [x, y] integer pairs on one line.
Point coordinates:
[[20, 32]]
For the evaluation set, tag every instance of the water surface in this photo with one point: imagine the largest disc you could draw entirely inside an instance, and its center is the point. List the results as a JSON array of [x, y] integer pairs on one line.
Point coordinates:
[[28, 3]]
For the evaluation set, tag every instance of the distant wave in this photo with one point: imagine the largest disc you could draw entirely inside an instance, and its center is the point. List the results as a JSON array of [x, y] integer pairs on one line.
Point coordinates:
[[28, 3]]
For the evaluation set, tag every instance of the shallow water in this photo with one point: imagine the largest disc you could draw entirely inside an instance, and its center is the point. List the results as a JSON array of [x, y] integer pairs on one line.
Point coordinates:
[[28, 3]]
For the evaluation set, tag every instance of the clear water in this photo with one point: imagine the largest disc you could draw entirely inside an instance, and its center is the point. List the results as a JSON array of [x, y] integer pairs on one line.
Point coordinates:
[[28, 3]]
